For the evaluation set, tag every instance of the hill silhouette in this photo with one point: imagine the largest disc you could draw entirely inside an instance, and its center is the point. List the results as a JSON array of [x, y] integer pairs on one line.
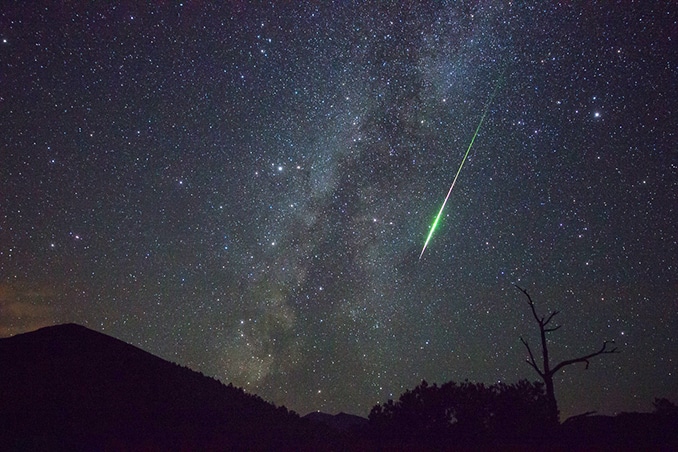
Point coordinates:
[[341, 422], [70, 388], [67, 387]]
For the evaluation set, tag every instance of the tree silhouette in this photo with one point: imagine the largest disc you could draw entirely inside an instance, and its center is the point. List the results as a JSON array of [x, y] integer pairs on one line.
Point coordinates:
[[664, 407], [546, 372], [461, 414]]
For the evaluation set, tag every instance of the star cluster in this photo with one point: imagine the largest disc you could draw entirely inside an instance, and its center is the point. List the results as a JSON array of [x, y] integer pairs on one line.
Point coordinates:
[[245, 190]]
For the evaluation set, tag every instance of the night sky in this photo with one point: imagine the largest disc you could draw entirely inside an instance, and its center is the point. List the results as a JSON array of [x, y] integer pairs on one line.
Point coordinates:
[[245, 190]]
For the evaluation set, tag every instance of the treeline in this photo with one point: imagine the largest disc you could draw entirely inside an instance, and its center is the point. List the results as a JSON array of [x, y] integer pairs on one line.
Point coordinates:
[[69, 388], [475, 415], [463, 413]]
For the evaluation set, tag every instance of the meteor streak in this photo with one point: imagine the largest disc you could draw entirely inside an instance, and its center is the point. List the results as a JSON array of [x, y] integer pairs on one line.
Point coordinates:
[[454, 181]]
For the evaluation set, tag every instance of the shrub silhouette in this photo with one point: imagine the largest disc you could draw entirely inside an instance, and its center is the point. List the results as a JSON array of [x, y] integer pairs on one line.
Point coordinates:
[[665, 408], [463, 413]]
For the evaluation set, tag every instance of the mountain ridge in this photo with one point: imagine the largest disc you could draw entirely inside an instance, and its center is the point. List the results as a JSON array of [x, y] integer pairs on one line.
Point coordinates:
[[340, 422], [70, 387], [67, 387]]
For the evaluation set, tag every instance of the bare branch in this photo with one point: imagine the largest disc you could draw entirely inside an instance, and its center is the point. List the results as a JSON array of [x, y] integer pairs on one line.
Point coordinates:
[[531, 361], [550, 317], [547, 373], [585, 359], [530, 302], [548, 330]]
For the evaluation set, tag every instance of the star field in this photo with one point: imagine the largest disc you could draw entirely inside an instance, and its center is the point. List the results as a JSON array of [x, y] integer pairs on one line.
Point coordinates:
[[245, 190]]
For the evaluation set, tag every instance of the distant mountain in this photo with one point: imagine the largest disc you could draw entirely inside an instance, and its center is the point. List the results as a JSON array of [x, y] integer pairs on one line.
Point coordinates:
[[67, 387], [341, 422], [625, 431], [70, 388]]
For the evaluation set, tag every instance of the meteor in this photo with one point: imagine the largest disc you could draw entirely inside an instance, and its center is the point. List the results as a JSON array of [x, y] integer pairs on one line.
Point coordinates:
[[454, 181]]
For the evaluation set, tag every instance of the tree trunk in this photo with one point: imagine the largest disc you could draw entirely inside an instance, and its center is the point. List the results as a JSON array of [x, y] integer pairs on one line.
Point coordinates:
[[554, 413], [546, 372]]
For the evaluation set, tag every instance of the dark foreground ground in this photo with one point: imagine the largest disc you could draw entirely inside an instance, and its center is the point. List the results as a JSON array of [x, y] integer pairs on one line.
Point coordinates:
[[70, 388]]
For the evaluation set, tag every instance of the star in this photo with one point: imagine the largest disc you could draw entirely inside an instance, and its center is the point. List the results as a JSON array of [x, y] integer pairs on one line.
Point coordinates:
[[246, 191]]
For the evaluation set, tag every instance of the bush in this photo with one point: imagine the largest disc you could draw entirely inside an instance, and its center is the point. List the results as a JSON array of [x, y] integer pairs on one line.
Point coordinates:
[[465, 413]]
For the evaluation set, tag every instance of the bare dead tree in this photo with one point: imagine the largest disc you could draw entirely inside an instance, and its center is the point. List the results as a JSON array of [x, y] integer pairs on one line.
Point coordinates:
[[546, 372]]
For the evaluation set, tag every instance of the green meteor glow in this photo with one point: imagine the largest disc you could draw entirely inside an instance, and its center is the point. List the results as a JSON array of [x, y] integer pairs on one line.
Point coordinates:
[[454, 181]]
